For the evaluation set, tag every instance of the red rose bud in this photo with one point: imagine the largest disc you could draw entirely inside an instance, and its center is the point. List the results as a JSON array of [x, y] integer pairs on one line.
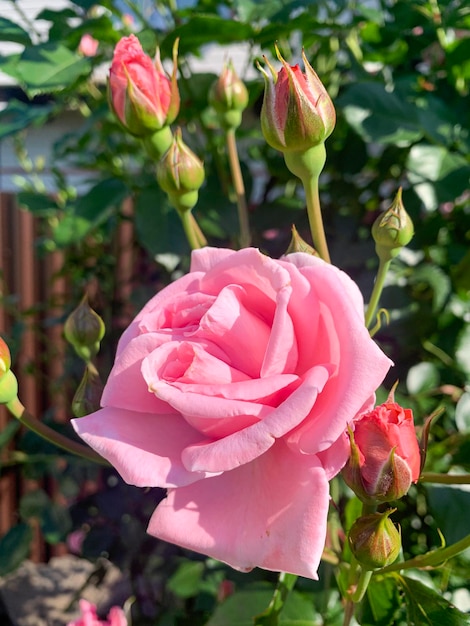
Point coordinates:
[[385, 456], [229, 97], [180, 173], [374, 540], [5, 358], [392, 230], [141, 94], [297, 111], [84, 329]]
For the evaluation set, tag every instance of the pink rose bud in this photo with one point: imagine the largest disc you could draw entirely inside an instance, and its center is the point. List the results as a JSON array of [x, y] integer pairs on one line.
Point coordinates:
[[392, 230], [89, 616], [5, 358], [229, 97], [374, 540], [180, 173], [385, 457], [88, 45], [84, 329], [297, 111], [141, 94]]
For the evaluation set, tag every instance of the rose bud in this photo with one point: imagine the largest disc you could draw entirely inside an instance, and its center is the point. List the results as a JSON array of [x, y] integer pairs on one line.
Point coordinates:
[[385, 456], [297, 244], [5, 358], [374, 540], [141, 94], [297, 112], [180, 173], [88, 45], [392, 230], [229, 97], [84, 329]]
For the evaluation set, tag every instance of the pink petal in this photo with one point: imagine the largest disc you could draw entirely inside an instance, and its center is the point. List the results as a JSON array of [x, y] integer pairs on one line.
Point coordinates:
[[126, 375], [270, 513], [281, 352], [204, 259], [145, 449], [246, 445]]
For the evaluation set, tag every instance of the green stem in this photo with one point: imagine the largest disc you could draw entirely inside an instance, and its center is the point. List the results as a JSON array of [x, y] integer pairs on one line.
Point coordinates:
[[190, 231], [315, 218], [431, 559], [377, 291], [237, 178], [202, 241], [361, 586], [445, 479], [308, 165], [18, 410], [157, 144], [270, 617]]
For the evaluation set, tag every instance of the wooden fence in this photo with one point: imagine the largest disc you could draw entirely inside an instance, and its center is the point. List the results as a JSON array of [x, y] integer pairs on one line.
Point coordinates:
[[33, 290]]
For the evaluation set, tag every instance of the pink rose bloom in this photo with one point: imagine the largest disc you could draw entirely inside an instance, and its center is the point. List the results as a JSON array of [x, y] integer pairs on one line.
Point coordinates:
[[385, 456], [88, 45], [142, 96], [233, 388], [89, 617]]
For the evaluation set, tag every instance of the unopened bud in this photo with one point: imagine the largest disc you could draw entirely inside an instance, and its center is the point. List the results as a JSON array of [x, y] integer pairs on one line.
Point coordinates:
[[229, 97], [392, 230], [297, 244], [180, 173], [84, 329], [8, 387], [5, 358], [374, 540], [88, 395]]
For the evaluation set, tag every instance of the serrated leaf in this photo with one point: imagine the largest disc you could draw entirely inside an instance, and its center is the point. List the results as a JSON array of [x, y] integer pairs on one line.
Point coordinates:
[[94, 205], [438, 280], [38, 204], [426, 607], [450, 505], [50, 67], [381, 603], [10, 31], [18, 115], [14, 547]]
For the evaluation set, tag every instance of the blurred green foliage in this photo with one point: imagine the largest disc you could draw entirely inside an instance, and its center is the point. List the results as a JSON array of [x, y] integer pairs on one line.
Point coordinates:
[[399, 74]]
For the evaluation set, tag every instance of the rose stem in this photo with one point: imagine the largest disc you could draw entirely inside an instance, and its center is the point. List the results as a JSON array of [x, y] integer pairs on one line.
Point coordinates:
[[237, 178], [377, 291], [190, 230], [315, 217]]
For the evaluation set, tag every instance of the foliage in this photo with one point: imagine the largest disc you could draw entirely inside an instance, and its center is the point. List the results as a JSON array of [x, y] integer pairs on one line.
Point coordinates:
[[400, 78]]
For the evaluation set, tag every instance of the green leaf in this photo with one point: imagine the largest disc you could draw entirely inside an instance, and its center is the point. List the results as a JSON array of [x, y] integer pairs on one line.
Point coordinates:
[[10, 31], [463, 351], [18, 115], [450, 505], [437, 174], [50, 67], [381, 602], [14, 547], [186, 581], [56, 523], [462, 413], [421, 378], [426, 607], [438, 280], [94, 205], [33, 504], [37, 203], [379, 115], [8, 432]]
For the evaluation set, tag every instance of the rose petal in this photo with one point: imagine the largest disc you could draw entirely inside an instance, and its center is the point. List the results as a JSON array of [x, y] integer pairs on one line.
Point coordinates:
[[156, 441], [245, 445], [281, 351], [204, 259], [270, 513]]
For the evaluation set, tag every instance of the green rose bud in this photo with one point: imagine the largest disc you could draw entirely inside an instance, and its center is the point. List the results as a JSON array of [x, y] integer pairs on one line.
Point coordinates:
[[84, 329], [374, 540], [392, 230], [229, 97], [297, 244]]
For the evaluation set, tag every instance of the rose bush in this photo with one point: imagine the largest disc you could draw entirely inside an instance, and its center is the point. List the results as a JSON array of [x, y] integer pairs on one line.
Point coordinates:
[[233, 388]]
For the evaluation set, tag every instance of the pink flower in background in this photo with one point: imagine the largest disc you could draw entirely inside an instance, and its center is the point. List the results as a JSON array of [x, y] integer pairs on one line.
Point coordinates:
[[89, 617], [142, 96], [233, 388], [88, 45]]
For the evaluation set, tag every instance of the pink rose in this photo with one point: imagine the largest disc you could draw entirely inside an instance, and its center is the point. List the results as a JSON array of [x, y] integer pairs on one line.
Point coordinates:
[[385, 457], [89, 617], [142, 96], [88, 45], [233, 388]]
